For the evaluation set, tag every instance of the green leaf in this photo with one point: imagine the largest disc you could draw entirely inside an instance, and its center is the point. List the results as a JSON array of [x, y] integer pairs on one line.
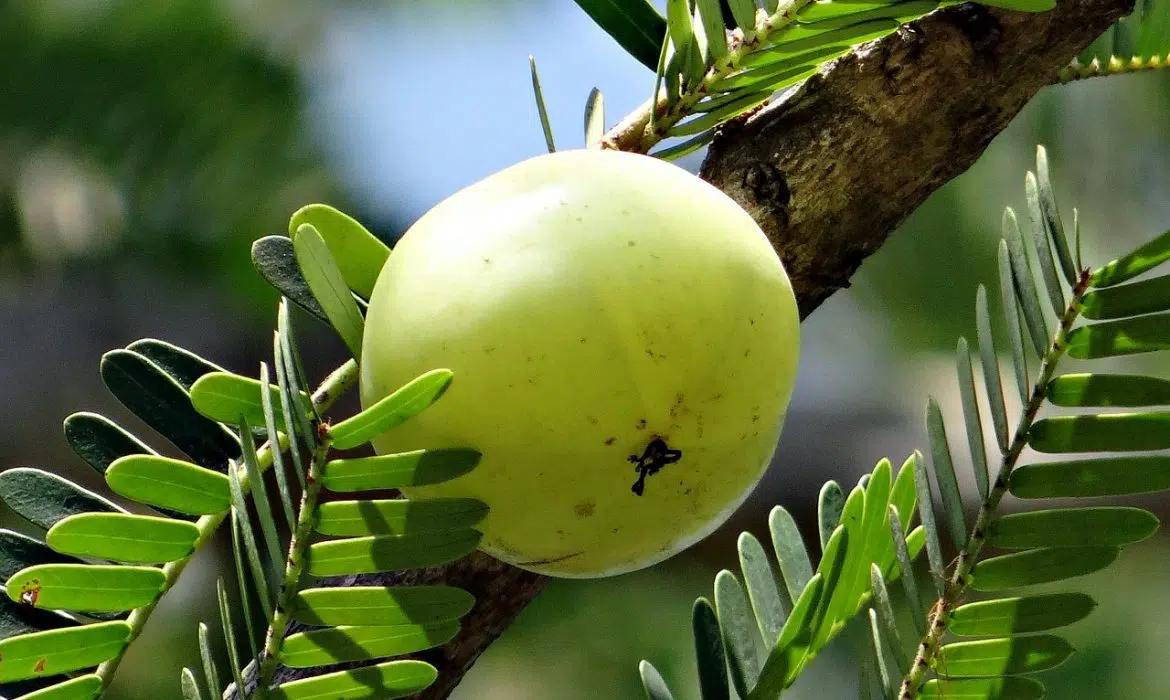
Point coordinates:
[[391, 679], [971, 418], [1008, 616], [830, 504], [380, 605], [990, 362], [293, 416], [709, 652], [594, 119], [926, 512], [1025, 285], [832, 568], [653, 683], [210, 672], [267, 406], [1035, 566], [260, 495], [991, 658], [1110, 476], [1125, 337], [1007, 688], [245, 592], [1072, 527], [43, 498], [841, 584], [398, 516], [86, 687], [1104, 432], [184, 366], [836, 9], [229, 632], [790, 551], [328, 285], [1108, 390], [886, 675], [792, 646], [274, 259], [874, 532], [715, 117], [242, 523], [906, 568], [168, 483], [393, 471], [709, 16], [1008, 298], [164, 405], [189, 685], [139, 539], [61, 651], [99, 441], [741, 639], [1053, 226], [1144, 297], [86, 587], [762, 588], [944, 474], [391, 411], [686, 147], [904, 497], [226, 397], [744, 13], [1145, 258], [358, 253], [634, 24], [348, 643], [368, 555], [1041, 235], [541, 110], [885, 615]]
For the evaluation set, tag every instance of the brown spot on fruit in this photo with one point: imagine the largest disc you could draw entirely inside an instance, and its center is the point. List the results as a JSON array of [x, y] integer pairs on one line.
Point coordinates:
[[585, 509], [641, 424], [610, 441]]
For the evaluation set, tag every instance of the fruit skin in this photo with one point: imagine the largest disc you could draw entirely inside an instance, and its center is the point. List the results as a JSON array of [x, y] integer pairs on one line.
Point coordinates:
[[588, 303]]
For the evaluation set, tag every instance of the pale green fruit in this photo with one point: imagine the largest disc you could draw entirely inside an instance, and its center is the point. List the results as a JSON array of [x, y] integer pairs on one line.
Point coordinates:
[[589, 302]]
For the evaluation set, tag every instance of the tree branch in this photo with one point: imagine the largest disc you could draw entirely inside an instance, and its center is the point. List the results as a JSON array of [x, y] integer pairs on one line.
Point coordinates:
[[829, 173]]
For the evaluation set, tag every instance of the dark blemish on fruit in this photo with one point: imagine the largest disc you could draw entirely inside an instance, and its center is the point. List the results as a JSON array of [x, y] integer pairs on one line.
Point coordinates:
[[610, 441], [584, 509], [747, 352], [489, 349], [641, 424], [657, 455], [487, 261], [560, 532], [553, 560], [582, 340], [592, 420], [631, 244]]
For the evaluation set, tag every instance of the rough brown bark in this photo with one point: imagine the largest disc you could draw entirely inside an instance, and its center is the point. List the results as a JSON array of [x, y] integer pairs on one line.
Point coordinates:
[[829, 173]]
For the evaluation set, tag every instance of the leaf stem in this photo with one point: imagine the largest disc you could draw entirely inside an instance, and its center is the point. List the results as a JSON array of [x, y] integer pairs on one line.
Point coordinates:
[[647, 125], [1111, 66], [939, 617], [336, 384], [294, 566]]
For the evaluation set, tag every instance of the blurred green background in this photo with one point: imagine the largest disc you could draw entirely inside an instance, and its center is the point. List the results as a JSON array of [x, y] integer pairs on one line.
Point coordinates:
[[144, 144]]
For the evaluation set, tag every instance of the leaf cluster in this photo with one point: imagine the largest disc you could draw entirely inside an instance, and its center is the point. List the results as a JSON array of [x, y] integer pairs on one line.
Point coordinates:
[[81, 592], [991, 648]]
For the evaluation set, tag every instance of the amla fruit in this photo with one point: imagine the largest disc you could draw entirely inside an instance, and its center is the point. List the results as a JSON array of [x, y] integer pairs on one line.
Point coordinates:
[[624, 341]]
